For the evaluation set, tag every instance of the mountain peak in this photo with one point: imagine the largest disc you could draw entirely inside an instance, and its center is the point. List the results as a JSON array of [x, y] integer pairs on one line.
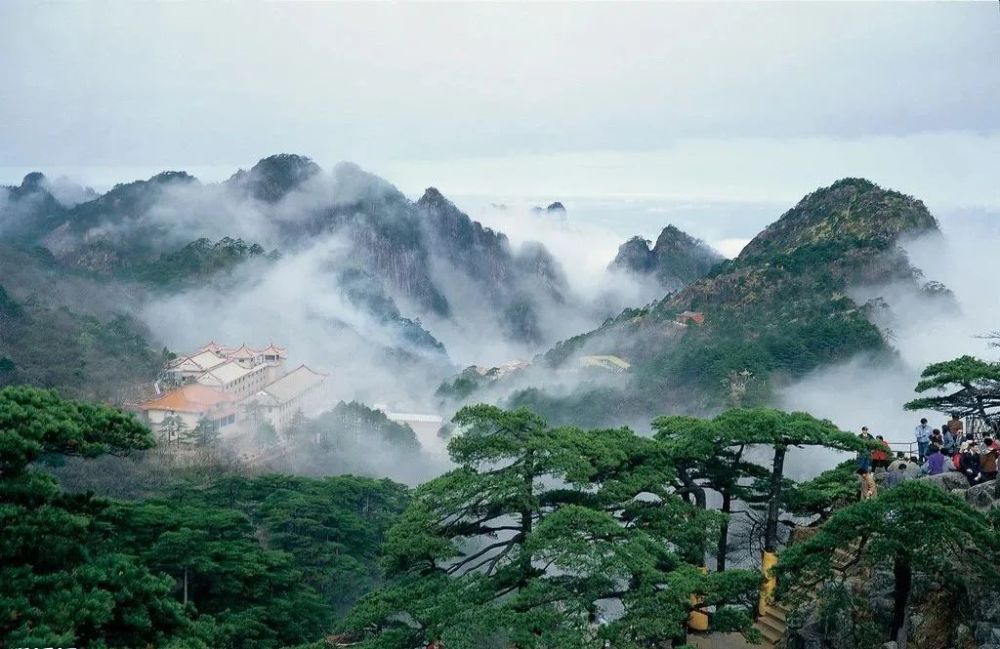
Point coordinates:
[[33, 181], [172, 177], [850, 212], [677, 258], [433, 197], [273, 177]]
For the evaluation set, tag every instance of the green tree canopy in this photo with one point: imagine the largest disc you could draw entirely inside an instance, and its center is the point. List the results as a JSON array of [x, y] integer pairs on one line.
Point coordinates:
[[704, 455], [34, 422], [972, 387], [546, 537], [821, 496], [60, 584]]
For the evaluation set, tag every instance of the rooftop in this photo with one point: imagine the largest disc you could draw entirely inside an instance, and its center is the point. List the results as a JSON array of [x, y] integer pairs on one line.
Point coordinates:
[[293, 384], [228, 372], [190, 398], [200, 362]]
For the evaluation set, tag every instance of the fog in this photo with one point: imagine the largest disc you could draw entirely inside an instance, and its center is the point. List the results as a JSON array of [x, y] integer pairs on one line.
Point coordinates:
[[299, 301]]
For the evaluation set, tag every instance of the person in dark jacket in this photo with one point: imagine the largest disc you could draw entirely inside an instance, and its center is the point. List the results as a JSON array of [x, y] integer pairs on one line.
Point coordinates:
[[969, 463], [988, 460], [950, 444], [865, 454]]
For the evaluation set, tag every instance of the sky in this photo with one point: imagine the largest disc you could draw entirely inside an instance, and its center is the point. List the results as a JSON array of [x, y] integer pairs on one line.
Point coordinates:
[[709, 101]]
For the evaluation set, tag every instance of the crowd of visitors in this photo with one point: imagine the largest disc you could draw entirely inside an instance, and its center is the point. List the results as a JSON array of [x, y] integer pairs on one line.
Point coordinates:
[[948, 448]]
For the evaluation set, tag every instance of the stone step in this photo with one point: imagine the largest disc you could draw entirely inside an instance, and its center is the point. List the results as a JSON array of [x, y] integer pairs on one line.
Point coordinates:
[[773, 610], [770, 634], [773, 623], [778, 606]]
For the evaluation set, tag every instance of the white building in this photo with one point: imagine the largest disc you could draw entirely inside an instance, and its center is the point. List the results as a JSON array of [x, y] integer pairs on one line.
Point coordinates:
[[278, 402], [236, 379], [219, 366]]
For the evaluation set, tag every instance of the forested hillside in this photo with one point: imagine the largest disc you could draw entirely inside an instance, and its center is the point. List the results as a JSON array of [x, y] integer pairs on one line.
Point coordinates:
[[781, 308]]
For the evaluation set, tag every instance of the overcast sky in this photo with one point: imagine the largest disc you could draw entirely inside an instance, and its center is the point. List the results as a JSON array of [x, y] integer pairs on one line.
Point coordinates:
[[706, 101]]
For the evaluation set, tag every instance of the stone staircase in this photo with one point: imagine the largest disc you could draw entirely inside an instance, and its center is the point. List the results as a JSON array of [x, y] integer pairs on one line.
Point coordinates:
[[773, 622]]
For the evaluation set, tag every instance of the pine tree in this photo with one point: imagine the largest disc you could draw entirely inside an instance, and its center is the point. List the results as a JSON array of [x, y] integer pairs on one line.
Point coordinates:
[[519, 545], [914, 527]]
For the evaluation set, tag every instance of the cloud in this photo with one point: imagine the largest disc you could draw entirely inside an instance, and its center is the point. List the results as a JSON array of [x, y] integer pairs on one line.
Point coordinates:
[[130, 87]]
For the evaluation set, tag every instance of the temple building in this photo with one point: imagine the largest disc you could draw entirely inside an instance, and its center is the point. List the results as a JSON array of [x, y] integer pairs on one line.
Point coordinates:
[[228, 385], [192, 403], [218, 366]]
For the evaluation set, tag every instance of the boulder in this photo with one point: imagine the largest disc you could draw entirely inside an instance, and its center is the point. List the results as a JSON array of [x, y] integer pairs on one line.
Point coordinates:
[[981, 495], [949, 481], [987, 633]]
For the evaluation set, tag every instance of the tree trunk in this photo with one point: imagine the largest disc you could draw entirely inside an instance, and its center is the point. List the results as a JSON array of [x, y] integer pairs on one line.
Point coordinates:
[[700, 500], [774, 503], [526, 514], [185, 585], [902, 573], [720, 563]]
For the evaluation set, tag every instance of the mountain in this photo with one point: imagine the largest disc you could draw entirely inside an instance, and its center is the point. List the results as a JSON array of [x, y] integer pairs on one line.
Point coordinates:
[[675, 260], [37, 205], [83, 356], [398, 278], [777, 311]]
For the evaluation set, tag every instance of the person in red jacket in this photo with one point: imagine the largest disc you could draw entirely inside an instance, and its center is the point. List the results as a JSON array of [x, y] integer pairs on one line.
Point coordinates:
[[880, 457]]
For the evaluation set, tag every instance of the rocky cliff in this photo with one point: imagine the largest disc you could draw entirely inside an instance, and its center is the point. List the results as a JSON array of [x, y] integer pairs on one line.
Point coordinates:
[[676, 259]]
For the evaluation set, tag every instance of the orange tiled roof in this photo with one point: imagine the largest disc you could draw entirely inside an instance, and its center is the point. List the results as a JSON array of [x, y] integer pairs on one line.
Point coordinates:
[[190, 398]]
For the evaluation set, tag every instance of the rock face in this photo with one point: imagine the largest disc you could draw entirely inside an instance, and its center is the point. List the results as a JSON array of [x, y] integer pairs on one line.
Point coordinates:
[[983, 496], [949, 480], [516, 283], [676, 259]]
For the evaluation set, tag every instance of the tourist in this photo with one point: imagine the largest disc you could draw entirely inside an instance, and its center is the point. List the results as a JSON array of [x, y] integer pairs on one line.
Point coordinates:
[[868, 488], [880, 457], [923, 435], [865, 454], [969, 464], [949, 443], [956, 426], [988, 460], [935, 462], [897, 473], [936, 438]]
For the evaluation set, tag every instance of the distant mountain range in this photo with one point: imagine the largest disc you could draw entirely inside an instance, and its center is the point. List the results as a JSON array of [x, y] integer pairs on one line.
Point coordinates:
[[403, 280], [401, 263]]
